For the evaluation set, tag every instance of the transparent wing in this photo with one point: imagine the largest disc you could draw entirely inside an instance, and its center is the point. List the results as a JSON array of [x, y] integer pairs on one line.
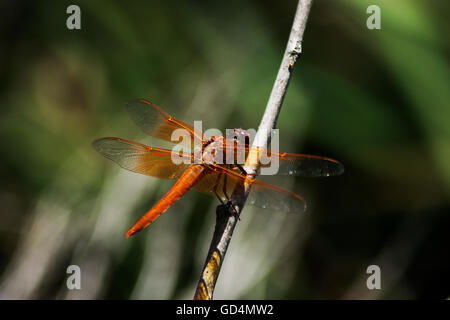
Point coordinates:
[[290, 163], [307, 165], [140, 158], [222, 182], [154, 121]]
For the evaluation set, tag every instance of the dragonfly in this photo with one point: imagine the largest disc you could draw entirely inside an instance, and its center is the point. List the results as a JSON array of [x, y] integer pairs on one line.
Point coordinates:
[[199, 170]]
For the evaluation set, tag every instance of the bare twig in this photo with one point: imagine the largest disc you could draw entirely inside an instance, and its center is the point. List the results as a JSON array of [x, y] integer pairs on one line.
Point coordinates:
[[227, 214]]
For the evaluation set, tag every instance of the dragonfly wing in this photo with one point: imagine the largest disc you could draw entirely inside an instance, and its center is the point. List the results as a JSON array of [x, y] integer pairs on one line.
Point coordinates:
[[268, 196], [140, 158], [218, 183], [222, 182], [154, 121], [288, 163], [308, 165]]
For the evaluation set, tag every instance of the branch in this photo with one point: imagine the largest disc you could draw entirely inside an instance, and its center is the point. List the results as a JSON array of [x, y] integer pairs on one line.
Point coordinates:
[[226, 215]]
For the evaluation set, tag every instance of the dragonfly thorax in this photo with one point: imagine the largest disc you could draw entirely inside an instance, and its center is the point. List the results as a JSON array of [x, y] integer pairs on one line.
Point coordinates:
[[213, 151], [229, 150]]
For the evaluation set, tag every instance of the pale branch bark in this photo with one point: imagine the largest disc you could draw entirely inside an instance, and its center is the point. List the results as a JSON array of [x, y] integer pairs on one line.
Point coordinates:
[[226, 215]]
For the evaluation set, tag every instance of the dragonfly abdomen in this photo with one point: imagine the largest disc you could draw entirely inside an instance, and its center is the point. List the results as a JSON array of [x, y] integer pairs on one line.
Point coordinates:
[[187, 180]]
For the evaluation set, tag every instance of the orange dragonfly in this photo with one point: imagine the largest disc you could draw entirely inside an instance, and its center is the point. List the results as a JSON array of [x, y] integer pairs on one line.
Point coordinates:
[[204, 175]]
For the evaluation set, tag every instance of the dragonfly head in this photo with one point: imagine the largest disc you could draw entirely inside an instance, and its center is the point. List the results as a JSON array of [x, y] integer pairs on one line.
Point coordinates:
[[240, 137]]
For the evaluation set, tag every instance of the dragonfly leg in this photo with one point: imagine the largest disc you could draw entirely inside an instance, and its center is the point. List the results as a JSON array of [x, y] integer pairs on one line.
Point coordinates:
[[220, 199], [242, 169], [245, 172], [215, 190], [229, 202]]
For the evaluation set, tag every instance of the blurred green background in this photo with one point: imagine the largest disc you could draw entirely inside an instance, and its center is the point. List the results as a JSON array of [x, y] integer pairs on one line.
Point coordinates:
[[377, 100]]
